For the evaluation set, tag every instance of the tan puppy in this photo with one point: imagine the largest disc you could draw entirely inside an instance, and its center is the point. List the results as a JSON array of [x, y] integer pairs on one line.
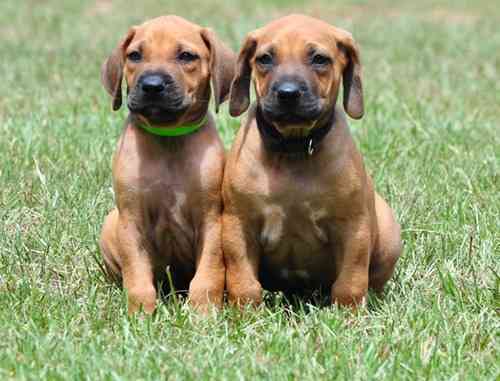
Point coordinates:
[[167, 188], [300, 211]]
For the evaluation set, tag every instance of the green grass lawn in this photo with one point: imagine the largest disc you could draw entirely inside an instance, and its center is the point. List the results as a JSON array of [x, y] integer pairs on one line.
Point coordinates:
[[430, 138]]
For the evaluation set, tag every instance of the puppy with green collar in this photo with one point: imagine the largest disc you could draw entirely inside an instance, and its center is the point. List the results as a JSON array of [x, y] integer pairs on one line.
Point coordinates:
[[168, 165]]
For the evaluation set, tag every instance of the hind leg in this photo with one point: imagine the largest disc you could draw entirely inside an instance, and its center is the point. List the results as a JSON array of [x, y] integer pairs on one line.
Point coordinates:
[[127, 261], [389, 248], [109, 247]]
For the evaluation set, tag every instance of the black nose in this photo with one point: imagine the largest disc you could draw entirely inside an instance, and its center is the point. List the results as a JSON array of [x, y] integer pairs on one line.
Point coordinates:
[[153, 84], [288, 91]]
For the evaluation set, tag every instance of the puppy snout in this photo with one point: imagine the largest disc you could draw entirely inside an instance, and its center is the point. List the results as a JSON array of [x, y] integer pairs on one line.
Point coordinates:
[[291, 99], [288, 91], [154, 84]]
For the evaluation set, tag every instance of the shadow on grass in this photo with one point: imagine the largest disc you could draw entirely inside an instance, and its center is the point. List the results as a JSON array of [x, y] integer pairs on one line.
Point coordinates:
[[309, 301]]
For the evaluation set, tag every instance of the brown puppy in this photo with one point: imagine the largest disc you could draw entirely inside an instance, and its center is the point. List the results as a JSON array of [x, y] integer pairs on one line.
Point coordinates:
[[167, 188], [300, 211]]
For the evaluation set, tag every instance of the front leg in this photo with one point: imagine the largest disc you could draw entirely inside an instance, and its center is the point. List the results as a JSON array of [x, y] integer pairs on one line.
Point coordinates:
[[207, 286], [241, 257], [352, 263], [137, 270]]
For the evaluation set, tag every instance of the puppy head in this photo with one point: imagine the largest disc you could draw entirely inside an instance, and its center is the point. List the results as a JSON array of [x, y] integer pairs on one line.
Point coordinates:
[[168, 64], [297, 64]]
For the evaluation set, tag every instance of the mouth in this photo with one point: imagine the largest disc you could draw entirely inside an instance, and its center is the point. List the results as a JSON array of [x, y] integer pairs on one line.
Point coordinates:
[[160, 106], [159, 114], [291, 118], [300, 115]]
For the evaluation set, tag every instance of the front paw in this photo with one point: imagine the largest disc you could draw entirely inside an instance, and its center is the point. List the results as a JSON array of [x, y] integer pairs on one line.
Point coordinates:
[[349, 295], [143, 297], [204, 294], [245, 293]]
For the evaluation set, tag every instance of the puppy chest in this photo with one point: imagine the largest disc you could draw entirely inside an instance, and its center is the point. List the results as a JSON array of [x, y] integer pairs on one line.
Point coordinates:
[[297, 249], [298, 227], [172, 228]]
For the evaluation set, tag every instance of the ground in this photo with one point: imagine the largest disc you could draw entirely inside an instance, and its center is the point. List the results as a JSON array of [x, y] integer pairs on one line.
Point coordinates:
[[430, 138]]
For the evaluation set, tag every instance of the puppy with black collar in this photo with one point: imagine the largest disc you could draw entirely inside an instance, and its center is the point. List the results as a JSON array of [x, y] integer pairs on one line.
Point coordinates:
[[300, 211]]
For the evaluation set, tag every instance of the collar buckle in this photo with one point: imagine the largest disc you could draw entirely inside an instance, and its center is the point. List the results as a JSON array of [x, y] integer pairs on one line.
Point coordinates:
[[310, 148]]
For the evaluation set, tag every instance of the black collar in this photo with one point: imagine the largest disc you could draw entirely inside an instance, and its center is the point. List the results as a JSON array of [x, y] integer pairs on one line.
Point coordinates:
[[275, 142]]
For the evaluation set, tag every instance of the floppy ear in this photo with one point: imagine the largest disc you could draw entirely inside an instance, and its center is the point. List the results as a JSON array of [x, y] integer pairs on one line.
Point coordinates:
[[112, 70], [222, 61], [351, 77], [240, 88]]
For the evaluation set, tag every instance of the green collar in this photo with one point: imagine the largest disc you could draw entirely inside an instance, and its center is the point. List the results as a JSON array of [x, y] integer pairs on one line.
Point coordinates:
[[185, 129]]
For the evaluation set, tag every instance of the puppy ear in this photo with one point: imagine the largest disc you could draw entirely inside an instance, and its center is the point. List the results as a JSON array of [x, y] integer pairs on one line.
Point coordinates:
[[112, 70], [240, 88], [222, 62], [351, 77]]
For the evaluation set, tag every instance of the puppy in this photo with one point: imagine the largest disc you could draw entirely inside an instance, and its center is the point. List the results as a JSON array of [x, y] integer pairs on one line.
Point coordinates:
[[300, 211], [168, 166]]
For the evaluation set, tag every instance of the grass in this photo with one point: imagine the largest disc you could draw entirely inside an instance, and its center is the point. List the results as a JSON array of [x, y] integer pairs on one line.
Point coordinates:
[[430, 138]]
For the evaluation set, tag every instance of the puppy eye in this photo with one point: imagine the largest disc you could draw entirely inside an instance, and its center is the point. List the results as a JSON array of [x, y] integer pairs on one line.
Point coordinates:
[[320, 60], [134, 56], [187, 57], [265, 59]]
